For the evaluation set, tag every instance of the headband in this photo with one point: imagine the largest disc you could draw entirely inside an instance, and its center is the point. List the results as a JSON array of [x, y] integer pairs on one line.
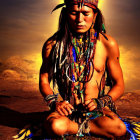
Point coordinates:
[[90, 3]]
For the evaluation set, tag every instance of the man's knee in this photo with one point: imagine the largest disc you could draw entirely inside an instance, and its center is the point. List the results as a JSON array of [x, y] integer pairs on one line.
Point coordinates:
[[59, 126], [121, 128], [111, 126], [118, 125]]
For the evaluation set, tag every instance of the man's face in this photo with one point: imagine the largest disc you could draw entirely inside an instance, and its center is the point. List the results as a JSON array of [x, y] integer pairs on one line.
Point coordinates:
[[80, 20]]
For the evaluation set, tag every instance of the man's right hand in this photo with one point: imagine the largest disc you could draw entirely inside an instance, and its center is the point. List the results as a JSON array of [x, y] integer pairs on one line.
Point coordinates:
[[64, 108], [90, 104]]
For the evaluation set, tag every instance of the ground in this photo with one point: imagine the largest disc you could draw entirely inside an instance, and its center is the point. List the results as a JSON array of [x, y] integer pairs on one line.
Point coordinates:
[[21, 104]]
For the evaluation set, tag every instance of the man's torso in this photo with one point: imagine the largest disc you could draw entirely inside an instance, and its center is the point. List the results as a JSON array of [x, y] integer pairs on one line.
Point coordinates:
[[98, 68]]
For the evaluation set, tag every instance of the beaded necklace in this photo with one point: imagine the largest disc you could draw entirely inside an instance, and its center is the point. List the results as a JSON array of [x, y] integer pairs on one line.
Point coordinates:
[[80, 70]]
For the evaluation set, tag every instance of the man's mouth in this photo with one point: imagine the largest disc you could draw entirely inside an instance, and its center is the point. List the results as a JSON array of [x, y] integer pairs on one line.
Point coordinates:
[[80, 26]]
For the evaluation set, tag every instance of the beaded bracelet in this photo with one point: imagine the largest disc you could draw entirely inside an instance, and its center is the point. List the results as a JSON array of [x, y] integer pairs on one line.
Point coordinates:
[[104, 101], [51, 100]]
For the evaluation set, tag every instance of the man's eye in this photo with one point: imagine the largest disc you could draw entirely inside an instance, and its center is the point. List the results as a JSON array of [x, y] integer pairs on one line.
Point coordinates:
[[73, 13], [85, 13]]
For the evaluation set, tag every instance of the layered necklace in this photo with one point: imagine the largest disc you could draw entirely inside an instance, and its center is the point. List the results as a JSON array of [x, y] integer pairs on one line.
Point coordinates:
[[81, 67]]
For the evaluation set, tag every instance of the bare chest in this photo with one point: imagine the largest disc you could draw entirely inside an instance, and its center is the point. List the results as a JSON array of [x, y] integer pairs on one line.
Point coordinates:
[[98, 69], [100, 58]]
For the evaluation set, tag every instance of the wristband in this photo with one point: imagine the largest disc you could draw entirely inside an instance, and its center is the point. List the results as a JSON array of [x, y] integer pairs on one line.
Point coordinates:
[[51, 100], [104, 101]]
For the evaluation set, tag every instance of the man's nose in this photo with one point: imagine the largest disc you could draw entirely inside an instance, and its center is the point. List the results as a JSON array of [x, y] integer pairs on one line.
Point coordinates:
[[80, 17]]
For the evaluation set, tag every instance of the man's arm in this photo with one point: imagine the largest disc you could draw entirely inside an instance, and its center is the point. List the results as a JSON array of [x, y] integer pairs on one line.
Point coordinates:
[[114, 68], [115, 73], [64, 107], [44, 84]]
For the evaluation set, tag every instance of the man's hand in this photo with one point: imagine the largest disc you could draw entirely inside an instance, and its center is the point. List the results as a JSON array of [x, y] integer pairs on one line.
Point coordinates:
[[64, 108], [90, 104]]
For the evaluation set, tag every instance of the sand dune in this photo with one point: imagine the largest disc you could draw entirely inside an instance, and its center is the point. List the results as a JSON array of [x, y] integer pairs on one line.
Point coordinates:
[[19, 68]]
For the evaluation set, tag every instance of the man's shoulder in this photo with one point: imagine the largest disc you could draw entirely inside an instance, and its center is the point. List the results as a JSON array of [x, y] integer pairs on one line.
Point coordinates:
[[48, 46], [49, 43], [109, 43]]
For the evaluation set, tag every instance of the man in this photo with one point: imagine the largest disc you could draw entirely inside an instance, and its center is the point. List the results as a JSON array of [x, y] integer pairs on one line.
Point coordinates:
[[75, 60]]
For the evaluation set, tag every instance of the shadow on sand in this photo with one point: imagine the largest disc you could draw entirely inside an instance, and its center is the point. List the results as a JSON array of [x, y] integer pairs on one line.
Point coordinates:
[[12, 118], [15, 119]]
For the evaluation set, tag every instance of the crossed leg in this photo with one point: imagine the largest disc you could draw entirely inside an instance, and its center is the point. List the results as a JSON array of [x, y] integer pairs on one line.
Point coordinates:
[[108, 126]]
